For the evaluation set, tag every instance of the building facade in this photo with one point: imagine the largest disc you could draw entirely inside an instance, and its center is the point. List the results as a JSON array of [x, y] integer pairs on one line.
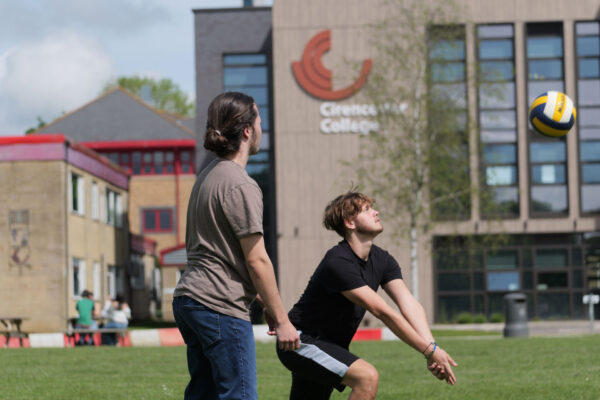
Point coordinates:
[[547, 189], [158, 151], [65, 229]]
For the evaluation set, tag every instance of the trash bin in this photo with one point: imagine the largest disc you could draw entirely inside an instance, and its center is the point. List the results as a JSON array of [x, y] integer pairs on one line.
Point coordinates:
[[515, 313]]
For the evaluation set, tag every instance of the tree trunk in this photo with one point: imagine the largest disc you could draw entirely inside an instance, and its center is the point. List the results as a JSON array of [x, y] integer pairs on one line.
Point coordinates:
[[414, 260]]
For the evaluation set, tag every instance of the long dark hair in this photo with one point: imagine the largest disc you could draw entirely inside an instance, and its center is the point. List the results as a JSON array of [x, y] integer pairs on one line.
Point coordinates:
[[228, 115]]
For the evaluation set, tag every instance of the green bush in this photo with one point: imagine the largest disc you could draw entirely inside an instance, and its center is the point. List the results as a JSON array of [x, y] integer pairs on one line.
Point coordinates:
[[479, 318], [497, 317], [464, 318]]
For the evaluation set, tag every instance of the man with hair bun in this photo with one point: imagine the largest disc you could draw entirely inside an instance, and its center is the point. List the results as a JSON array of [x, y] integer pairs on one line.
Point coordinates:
[[341, 289], [227, 263]]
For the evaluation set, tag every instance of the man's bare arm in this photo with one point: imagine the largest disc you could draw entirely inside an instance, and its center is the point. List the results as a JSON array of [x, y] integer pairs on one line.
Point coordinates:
[[261, 272], [367, 298]]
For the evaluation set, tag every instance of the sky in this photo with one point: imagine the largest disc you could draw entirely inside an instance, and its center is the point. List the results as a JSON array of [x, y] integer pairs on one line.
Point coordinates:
[[57, 55]]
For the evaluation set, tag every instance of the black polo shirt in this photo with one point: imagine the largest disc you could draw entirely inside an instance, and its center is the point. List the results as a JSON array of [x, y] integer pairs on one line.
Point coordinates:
[[322, 310]]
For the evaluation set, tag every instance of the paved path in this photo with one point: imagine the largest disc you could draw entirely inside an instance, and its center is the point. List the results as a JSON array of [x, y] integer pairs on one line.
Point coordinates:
[[536, 328]]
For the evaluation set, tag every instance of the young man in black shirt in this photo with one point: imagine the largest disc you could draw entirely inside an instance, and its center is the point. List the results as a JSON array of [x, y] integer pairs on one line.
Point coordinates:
[[342, 288]]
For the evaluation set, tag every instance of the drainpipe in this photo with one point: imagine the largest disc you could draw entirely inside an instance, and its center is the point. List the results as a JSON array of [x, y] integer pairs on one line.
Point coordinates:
[[177, 171], [67, 288]]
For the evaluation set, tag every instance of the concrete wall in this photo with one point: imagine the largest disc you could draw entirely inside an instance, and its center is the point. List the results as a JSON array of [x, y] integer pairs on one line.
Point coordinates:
[[35, 288], [40, 287]]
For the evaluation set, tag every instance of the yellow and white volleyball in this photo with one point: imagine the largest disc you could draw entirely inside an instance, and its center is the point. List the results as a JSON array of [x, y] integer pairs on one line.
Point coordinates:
[[552, 114]]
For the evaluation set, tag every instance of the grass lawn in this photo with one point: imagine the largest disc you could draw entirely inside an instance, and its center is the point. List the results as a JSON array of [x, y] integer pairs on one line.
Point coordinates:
[[490, 368]]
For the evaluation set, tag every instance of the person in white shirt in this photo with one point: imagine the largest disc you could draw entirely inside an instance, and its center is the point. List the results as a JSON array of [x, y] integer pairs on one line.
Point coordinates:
[[118, 313]]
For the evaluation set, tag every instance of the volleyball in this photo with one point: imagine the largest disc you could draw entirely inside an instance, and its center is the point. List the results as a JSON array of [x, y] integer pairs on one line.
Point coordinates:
[[552, 114]]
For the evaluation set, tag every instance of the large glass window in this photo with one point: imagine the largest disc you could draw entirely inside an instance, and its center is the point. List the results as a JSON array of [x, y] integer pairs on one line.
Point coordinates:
[[448, 114], [249, 73], [498, 120], [588, 111], [547, 156], [548, 268]]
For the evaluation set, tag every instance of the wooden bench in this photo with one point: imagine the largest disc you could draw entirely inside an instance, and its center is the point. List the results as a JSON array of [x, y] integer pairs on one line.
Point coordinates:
[[13, 334], [74, 333], [13, 329]]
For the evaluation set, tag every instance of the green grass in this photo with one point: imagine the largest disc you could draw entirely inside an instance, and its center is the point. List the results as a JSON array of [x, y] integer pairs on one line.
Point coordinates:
[[490, 368], [449, 332]]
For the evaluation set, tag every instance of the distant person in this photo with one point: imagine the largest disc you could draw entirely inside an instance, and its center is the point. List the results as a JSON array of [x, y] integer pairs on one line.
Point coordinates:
[[118, 313], [342, 288], [87, 311], [227, 263]]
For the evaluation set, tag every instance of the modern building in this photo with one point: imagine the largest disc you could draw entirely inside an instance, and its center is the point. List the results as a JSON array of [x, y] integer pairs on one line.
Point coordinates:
[[297, 60], [157, 150], [65, 229]]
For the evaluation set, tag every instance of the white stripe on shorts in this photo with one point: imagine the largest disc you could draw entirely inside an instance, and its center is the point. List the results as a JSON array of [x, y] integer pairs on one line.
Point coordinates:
[[314, 353]]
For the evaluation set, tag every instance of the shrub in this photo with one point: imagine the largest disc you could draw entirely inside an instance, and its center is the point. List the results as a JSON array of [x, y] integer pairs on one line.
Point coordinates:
[[497, 317], [464, 318], [479, 318]]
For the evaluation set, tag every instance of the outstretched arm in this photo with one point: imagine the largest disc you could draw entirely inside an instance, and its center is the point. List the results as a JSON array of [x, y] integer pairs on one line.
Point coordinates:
[[415, 314], [409, 307], [367, 298], [262, 275]]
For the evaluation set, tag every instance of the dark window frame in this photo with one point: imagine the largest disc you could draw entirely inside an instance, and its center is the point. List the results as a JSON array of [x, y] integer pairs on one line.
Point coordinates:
[[544, 29], [483, 165], [580, 141], [156, 211]]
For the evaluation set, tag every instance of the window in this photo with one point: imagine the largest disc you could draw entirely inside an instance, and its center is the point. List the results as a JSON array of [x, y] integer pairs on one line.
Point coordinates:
[[77, 194], [118, 210], [154, 162], [588, 112], [110, 207], [78, 281], [186, 162], [547, 156], [95, 200], [136, 272], [548, 268], [114, 281], [249, 73], [157, 220], [498, 120], [114, 208], [448, 114]]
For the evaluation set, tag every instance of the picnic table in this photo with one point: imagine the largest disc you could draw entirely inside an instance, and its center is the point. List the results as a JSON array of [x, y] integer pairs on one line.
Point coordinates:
[[12, 327], [73, 333]]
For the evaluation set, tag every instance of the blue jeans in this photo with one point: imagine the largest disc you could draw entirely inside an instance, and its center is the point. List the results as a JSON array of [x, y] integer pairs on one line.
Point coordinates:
[[220, 352], [110, 339], [86, 338]]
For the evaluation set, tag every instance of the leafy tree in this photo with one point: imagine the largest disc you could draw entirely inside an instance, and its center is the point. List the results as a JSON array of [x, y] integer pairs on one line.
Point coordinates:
[[417, 164], [40, 124], [165, 94]]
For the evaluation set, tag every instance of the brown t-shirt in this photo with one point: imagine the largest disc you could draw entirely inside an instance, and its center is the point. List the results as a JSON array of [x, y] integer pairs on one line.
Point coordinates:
[[225, 205]]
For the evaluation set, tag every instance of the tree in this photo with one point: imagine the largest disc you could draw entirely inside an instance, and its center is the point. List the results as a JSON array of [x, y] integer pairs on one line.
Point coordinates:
[[40, 124], [417, 164], [164, 93]]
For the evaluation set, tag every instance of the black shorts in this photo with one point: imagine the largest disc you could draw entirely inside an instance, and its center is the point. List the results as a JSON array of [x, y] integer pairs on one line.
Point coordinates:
[[317, 367]]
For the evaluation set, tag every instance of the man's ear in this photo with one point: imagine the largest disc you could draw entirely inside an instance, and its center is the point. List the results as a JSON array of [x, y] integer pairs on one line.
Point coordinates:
[[349, 224], [248, 132]]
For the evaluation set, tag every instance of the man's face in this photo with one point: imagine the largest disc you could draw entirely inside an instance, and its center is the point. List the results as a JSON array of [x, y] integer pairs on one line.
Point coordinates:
[[368, 222], [257, 133]]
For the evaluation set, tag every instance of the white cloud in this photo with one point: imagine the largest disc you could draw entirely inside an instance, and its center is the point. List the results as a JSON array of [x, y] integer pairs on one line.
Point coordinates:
[[45, 78], [28, 19]]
